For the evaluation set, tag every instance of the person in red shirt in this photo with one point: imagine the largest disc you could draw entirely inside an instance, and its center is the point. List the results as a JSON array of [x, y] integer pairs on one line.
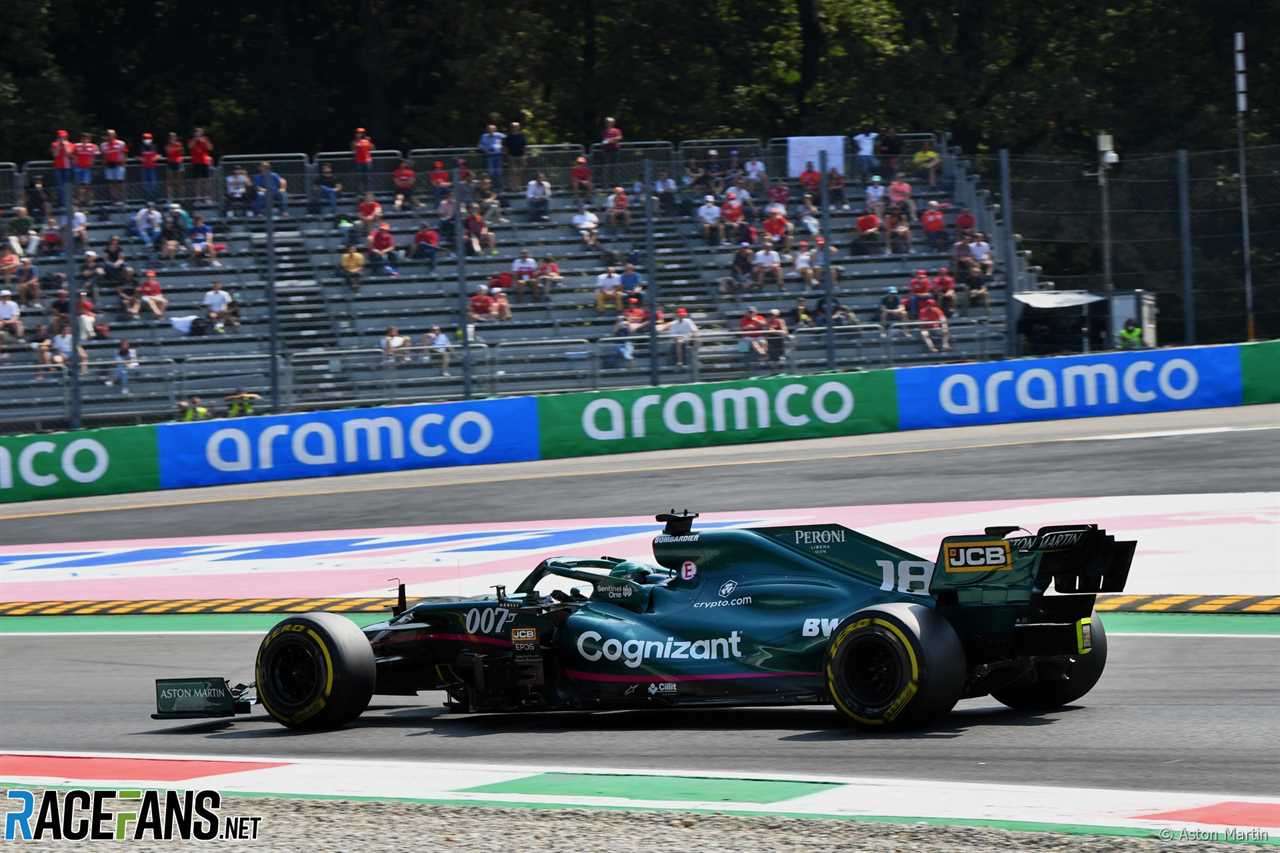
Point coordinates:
[[114, 153], [405, 179], [62, 151], [935, 227], [731, 211], [86, 154], [369, 211], [200, 147], [870, 241], [943, 290], [635, 316], [965, 223], [441, 183], [777, 338], [919, 288], [382, 247], [810, 179], [547, 277], [835, 188], [931, 314], [778, 228], [148, 154], [362, 153], [481, 305], [173, 157], [752, 343], [426, 244], [478, 235], [610, 146], [580, 181], [779, 196], [619, 213]]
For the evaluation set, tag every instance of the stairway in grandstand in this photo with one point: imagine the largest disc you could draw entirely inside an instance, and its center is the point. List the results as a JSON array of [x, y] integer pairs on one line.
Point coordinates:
[[329, 336]]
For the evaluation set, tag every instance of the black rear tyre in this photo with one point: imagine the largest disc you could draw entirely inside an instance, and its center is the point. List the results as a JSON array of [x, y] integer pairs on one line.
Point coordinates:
[[315, 671], [893, 666], [1059, 685]]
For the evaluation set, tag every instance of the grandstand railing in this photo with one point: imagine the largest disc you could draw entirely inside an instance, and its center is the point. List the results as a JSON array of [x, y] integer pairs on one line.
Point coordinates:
[[517, 367], [10, 184]]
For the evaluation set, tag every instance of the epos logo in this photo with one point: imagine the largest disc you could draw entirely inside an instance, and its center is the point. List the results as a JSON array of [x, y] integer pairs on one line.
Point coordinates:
[[990, 556]]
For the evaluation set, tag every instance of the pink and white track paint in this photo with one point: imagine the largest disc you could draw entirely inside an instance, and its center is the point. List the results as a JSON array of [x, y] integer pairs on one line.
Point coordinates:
[[1201, 543], [835, 796]]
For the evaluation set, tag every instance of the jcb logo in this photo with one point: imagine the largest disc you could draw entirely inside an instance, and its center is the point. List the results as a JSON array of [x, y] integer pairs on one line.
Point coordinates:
[[992, 556]]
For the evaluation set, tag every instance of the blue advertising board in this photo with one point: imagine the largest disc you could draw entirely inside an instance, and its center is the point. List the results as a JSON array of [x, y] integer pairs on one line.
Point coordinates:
[[354, 441], [1113, 383]]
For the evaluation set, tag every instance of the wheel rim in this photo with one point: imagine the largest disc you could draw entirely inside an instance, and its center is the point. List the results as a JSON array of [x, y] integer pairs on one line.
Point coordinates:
[[873, 670], [294, 673]]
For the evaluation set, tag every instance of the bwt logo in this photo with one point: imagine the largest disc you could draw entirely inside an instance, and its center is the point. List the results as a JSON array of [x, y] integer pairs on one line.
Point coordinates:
[[71, 463], [318, 443], [1071, 386]]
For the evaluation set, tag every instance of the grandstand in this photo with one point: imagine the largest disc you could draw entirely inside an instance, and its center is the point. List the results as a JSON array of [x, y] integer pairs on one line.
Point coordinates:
[[329, 335]]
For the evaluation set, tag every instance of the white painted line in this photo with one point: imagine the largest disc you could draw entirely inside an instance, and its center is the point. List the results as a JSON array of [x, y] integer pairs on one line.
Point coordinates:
[[1111, 634], [1166, 433], [77, 634]]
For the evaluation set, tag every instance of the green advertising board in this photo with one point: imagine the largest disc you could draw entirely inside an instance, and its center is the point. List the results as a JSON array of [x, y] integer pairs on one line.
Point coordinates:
[[774, 409], [1260, 372], [73, 464]]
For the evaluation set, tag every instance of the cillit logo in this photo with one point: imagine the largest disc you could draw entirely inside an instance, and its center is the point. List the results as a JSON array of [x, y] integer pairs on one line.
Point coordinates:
[[39, 463]]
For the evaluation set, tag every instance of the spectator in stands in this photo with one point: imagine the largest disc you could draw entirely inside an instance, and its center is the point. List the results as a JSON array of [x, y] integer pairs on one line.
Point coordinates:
[[767, 262], [127, 293], [37, 199], [919, 288], [370, 211], [148, 224], [742, 194], [836, 188], [932, 315], [965, 223], [695, 177], [866, 163], [362, 154], [114, 153], [980, 251], [810, 179], [10, 319], [27, 283], [51, 238], [478, 235], [480, 306], [514, 146], [174, 154], [87, 314], [240, 403], [9, 262], [113, 261], [437, 342], [634, 319], [841, 315], [490, 146], [192, 409], [804, 266], [63, 153], [62, 349], [150, 294], [609, 290], [610, 146], [270, 188], [618, 207], [943, 290], [960, 251], [394, 346], [715, 172], [868, 231], [203, 247], [524, 270], [501, 305], [538, 196], [488, 199], [352, 262], [890, 145], [426, 245], [148, 155], [876, 193], [91, 271], [709, 217], [900, 195], [756, 173], [732, 213], [548, 276], [327, 189], [927, 162], [587, 224], [897, 231], [126, 359], [752, 343], [85, 157], [440, 179], [216, 300], [200, 148], [810, 215], [632, 282], [665, 189], [800, 316], [173, 238], [444, 216], [779, 197], [776, 340], [237, 196], [580, 181], [404, 179], [684, 333], [382, 248], [970, 277], [934, 225]]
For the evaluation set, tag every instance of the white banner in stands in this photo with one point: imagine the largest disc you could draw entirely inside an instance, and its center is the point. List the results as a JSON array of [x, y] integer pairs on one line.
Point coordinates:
[[804, 149]]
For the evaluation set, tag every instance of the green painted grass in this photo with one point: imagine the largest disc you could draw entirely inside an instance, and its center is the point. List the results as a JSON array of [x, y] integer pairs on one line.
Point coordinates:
[[684, 788], [1192, 623]]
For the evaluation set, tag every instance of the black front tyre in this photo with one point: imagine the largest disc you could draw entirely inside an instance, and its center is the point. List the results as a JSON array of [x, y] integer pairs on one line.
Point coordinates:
[[894, 666], [315, 671], [1060, 683]]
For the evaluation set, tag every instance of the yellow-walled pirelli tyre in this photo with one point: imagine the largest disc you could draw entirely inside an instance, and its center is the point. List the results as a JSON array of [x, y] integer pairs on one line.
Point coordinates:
[[1060, 683], [894, 666], [315, 671]]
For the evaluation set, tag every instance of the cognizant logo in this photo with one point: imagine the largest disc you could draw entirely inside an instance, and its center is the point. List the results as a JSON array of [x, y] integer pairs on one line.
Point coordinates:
[[686, 413], [358, 439], [1071, 386], [635, 652], [39, 463]]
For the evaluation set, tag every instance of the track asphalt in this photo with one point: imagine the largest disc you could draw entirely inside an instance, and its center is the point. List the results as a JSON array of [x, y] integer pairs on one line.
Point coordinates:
[[1176, 713]]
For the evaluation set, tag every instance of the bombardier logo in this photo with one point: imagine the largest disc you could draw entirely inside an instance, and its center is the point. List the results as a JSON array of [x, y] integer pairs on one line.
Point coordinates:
[[988, 556], [632, 653]]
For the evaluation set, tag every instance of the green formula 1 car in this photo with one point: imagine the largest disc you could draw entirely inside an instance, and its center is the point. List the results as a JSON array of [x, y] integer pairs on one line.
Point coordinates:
[[767, 616]]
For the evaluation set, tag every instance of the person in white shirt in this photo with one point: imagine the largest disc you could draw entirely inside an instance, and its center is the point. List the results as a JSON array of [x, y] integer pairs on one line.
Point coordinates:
[[523, 269], [805, 265], [538, 195], [215, 302], [980, 251], [709, 216], [609, 289], [875, 196], [756, 172], [867, 162], [586, 223], [237, 193], [665, 189], [62, 352], [684, 330], [768, 262], [393, 345], [148, 223], [436, 341], [10, 318]]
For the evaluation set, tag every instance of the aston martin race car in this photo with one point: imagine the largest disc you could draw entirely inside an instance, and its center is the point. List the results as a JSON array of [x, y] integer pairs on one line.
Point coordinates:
[[804, 615]]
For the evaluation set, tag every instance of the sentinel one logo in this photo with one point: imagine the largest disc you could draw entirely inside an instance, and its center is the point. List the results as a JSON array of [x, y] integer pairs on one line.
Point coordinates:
[[317, 443], [1071, 386], [82, 461], [687, 413], [635, 652]]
